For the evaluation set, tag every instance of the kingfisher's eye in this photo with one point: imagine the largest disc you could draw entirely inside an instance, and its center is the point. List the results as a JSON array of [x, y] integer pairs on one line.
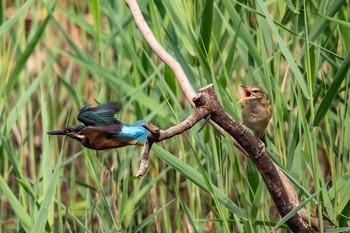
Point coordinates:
[[255, 91]]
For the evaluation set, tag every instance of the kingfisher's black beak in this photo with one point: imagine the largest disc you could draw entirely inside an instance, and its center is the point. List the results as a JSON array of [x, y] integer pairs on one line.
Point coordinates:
[[57, 132]]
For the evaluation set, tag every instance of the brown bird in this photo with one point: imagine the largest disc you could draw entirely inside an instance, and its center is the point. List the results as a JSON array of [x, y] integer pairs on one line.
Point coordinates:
[[256, 110]]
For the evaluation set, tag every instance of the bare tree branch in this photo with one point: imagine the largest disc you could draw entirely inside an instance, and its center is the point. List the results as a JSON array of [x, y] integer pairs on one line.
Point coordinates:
[[160, 51], [163, 54], [207, 106], [280, 188]]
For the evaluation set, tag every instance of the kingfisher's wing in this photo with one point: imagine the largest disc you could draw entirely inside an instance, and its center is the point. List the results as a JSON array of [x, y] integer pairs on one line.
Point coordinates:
[[100, 115]]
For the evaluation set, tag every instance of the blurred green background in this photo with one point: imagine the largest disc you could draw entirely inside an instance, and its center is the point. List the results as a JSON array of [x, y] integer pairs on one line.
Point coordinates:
[[55, 57]]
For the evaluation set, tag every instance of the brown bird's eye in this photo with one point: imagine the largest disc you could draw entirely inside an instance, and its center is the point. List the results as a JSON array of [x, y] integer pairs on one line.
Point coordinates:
[[255, 91]]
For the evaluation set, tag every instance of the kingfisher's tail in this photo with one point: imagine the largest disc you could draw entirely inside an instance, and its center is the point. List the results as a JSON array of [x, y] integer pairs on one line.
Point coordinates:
[[134, 132], [143, 132]]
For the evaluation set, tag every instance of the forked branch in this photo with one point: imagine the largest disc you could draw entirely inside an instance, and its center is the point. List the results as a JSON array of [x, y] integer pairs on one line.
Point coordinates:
[[207, 106]]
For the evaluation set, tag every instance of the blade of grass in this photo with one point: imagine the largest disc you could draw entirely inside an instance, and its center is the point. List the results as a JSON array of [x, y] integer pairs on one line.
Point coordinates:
[[206, 25], [244, 34], [25, 97], [46, 205], [95, 68], [22, 60], [104, 226], [50, 180], [20, 212], [294, 211], [8, 24], [332, 91], [108, 208], [322, 24], [332, 19], [338, 230], [150, 218], [185, 208], [293, 66], [194, 176]]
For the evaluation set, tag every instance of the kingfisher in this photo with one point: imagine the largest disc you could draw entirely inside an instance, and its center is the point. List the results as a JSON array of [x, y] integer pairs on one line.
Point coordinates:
[[100, 130]]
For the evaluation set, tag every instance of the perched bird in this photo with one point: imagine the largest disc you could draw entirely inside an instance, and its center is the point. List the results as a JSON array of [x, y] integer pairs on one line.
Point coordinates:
[[102, 131], [256, 110]]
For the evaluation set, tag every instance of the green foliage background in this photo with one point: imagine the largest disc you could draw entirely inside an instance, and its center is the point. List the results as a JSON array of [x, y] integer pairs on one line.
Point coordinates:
[[55, 57]]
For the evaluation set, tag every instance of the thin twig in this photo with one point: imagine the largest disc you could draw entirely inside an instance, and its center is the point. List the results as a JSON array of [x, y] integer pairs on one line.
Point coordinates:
[[206, 120]]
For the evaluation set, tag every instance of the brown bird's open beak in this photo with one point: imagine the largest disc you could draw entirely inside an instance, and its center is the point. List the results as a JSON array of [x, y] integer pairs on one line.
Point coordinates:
[[247, 94], [57, 132]]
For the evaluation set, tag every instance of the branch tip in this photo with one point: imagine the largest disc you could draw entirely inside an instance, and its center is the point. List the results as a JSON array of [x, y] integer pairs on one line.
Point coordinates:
[[151, 128], [207, 118], [143, 168], [206, 88]]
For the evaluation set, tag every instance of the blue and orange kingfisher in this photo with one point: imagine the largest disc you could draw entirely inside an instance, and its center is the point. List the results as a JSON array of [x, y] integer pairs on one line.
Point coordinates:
[[100, 129]]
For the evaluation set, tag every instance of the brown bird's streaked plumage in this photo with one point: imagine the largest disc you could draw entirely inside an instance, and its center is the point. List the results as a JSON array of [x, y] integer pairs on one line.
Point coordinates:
[[256, 110]]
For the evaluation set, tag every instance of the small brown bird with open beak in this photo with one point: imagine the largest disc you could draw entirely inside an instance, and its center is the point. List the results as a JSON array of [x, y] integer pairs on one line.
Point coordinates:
[[256, 110]]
